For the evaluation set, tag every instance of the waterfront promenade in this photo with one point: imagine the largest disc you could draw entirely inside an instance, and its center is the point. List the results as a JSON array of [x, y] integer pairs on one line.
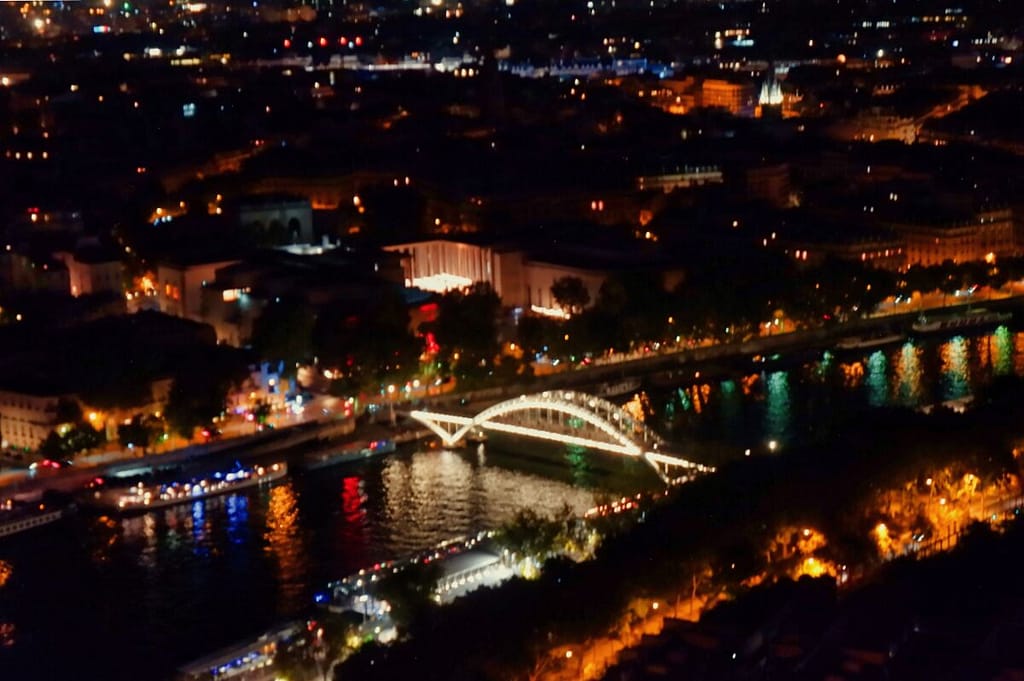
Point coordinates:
[[669, 359]]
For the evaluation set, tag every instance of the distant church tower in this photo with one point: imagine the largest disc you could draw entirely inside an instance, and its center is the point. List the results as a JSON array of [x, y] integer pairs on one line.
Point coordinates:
[[770, 100]]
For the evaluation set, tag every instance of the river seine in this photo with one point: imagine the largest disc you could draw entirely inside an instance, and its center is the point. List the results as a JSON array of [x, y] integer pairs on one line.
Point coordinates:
[[771, 403], [133, 598]]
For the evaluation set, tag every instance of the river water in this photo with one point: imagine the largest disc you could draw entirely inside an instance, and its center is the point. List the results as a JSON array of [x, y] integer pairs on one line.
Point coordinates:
[[771, 404], [133, 598]]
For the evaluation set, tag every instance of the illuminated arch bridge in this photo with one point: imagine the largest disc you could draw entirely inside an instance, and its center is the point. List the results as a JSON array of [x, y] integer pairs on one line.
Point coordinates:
[[567, 417]]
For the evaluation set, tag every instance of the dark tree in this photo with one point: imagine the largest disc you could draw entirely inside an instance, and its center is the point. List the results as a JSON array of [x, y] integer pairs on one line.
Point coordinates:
[[313, 652], [79, 438], [410, 592], [924, 279], [261, 411], [571, 293], [467, 331], [530, 534], [68, 411], [140, 432], [284, 331], [538, 334], [199, 390], [373, 347]]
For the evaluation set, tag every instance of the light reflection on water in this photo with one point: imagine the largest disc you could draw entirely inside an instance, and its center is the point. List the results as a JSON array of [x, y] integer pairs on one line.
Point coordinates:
[[732, 403], [955, 370], [431, 495], [778, 411], [877, 379], [782, 404], [199, 529], [237, 517], [1002, 347], [355, 516], [176, 583], [1018, 353], [908, 376], [284, 542]]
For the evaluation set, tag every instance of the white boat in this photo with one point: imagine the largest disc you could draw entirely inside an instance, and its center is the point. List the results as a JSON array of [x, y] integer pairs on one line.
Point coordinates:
[[355, 451], [869, 341], [621, 388], [249, 660], [15, 519], [962, 320], [141, 498]]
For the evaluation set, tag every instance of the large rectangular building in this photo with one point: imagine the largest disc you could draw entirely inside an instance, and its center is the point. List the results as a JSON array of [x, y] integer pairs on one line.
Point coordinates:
[[990, 234], [521, 279], [26, 418], [739, 99], [439, 265]]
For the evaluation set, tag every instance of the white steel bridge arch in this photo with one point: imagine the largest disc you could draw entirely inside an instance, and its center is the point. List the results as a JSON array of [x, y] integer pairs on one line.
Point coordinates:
[[620, 433]]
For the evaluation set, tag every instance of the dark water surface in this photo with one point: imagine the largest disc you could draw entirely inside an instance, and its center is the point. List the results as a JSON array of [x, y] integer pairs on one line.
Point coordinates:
[[789, 401], [99, 598], [132, 598]]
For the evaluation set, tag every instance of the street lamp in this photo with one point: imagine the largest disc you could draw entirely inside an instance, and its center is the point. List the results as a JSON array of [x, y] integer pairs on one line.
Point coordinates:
[[391, 403], [930, 483]]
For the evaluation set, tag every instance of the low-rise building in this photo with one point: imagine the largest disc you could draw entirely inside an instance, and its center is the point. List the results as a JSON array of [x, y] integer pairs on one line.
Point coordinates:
[[180, 284], [769, 182], [29, 272], [28, 414], [288, 219], [987, 235], [876, 125], [682, 177], [874, 249], [78, 365], [93, 269], [233, 298]]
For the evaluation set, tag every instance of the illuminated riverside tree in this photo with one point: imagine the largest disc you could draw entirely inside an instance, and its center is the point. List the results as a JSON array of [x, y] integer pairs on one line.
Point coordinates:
[[937, 505], [466, 330], [530, 537]]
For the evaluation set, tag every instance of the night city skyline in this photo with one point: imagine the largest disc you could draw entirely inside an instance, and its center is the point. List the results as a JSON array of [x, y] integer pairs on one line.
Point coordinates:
[[594, 340]]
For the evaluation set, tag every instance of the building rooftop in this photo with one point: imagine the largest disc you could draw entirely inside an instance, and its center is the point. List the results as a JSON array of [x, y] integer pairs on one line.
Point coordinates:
[[467, 561]]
